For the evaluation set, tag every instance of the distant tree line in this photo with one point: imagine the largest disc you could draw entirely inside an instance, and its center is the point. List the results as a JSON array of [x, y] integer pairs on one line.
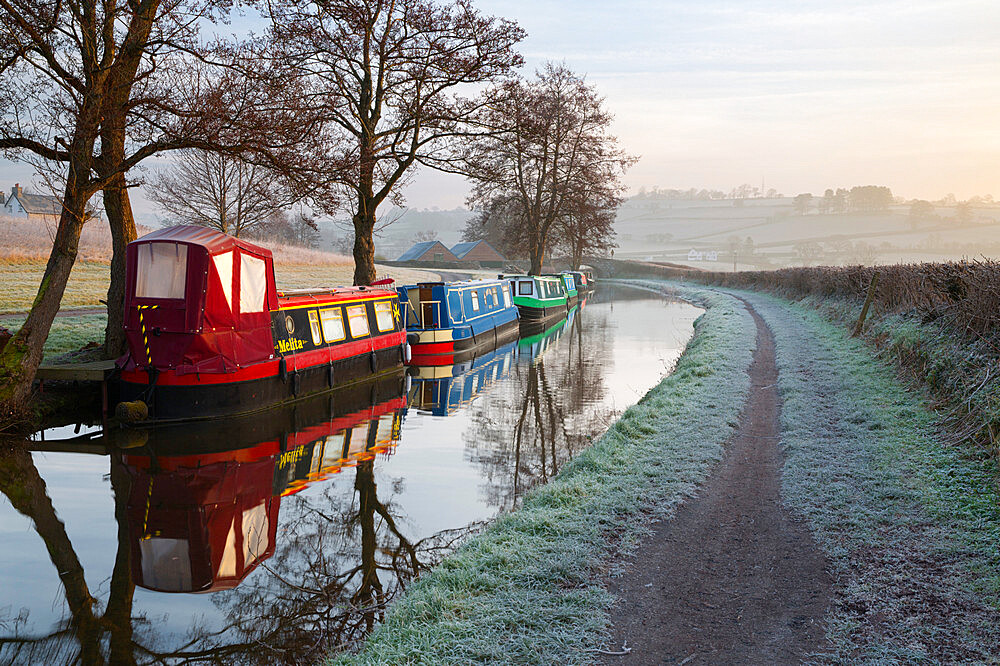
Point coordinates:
[[858, 199]]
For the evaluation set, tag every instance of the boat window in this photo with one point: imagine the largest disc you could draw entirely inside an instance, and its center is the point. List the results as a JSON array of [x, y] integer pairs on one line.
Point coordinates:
[[256, 535], [332, 321], [333, 451], [314, 327], [455, 305], [524, 288], [506, 297], [166, 563], [475, 301], [253, 283], [359, 439], [383, 316], [224, 268], [357, 321], [383, 435], [161, 270]]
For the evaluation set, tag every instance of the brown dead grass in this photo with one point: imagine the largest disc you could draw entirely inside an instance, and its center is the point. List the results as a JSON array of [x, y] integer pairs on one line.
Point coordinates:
[[22, 241]]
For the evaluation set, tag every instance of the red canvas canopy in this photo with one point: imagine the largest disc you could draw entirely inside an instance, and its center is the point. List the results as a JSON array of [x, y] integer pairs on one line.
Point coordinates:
[[198, 300]]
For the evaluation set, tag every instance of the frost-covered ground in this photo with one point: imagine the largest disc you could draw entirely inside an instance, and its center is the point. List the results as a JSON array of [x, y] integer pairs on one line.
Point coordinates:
[[529, 589], [911, 526]]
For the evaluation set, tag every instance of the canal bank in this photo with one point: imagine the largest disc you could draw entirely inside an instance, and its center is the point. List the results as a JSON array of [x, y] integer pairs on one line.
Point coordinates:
[[907, 524]]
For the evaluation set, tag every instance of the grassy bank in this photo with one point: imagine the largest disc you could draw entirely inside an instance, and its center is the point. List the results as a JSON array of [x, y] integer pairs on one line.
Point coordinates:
[[529, 589], [939, 322], [909, 523]]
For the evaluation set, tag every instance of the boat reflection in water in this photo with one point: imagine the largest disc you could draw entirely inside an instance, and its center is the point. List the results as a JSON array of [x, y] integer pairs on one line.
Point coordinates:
[[440, 390], [202, 517], [443, 389]]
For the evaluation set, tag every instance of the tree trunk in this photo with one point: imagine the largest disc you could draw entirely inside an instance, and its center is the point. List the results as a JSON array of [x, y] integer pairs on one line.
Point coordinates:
[[22, 355], [118, 614], [364, 248], [536, 253], [119, 210]]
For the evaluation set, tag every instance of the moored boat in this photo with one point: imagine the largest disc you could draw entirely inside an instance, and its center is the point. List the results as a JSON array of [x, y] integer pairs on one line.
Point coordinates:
[[583, 284], [448, 322], [210, 335], [540, 299], [569, 284]]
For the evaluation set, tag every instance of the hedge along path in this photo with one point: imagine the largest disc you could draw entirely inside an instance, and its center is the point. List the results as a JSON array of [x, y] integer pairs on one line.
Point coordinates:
[[910, 525], [529, 589]]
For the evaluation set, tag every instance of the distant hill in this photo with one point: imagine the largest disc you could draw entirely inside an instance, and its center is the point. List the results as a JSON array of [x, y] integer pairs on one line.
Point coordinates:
[[766, 232]]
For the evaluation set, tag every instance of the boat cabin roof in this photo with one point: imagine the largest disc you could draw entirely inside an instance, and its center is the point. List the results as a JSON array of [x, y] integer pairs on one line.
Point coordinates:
[[214, 241], [460, 284], [304, 297]]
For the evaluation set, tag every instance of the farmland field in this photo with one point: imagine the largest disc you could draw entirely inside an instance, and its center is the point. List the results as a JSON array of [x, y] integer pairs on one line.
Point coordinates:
[[88, 284]]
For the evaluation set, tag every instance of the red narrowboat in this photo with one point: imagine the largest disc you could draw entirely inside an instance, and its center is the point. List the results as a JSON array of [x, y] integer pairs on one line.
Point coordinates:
[[210, 335]]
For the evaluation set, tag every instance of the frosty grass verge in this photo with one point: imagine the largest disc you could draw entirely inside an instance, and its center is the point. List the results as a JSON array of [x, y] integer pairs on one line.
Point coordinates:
[[909, 525], [529, 589]]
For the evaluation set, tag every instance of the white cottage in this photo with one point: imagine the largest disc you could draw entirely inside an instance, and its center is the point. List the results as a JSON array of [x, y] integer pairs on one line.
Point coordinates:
[[32, 206]]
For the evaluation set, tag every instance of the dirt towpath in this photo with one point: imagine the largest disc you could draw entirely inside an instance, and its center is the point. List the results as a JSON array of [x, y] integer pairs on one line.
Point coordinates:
[[732, 578]]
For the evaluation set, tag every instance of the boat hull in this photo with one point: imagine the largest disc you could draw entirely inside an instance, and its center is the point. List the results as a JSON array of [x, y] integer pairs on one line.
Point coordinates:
[[254, 389], [534, 318], [456, 351]]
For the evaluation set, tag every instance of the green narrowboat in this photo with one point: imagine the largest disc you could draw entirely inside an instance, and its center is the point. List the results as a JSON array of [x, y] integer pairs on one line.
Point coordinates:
[[569, 283], [540, 299]]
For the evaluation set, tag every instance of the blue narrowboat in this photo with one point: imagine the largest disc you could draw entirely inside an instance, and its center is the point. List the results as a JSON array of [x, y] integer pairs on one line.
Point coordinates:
[[449, 321]]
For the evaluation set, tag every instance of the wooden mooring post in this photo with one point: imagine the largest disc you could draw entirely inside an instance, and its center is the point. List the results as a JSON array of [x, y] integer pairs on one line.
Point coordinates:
[[868, 303]]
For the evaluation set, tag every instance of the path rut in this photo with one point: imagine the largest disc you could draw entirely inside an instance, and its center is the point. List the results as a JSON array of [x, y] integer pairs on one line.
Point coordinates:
[[732, 577]]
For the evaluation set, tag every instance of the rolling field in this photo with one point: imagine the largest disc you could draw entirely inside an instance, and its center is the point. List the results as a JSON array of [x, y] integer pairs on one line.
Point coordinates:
[[88, 284], [768, 233]]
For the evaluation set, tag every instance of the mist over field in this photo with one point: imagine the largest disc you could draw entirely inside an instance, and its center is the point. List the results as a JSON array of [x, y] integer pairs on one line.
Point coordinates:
[[709, 229]]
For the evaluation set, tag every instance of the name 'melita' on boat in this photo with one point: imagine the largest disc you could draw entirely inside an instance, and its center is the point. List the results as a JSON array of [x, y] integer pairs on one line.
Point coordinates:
[[449, 321], [209, 334]]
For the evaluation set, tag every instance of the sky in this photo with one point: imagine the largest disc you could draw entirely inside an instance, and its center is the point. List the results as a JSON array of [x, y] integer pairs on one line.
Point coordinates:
[[802, 95]]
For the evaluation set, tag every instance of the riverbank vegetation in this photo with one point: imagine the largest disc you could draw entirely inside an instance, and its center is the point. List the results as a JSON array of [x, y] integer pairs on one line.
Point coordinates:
[[908, 520], [939, 322], [530, 588]]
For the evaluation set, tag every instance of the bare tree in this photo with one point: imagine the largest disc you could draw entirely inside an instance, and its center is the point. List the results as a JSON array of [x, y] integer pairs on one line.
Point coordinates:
[[56, 61], [386, 75], [548, 145], [97, 87], [219, 191], [588, 228], [498, 222]]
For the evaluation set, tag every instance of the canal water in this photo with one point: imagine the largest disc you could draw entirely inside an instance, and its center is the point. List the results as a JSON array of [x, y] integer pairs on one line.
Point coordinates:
[[279, 538]]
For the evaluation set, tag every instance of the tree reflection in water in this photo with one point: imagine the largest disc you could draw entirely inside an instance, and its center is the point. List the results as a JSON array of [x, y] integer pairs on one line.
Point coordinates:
[[548, 410], [341, 560]]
